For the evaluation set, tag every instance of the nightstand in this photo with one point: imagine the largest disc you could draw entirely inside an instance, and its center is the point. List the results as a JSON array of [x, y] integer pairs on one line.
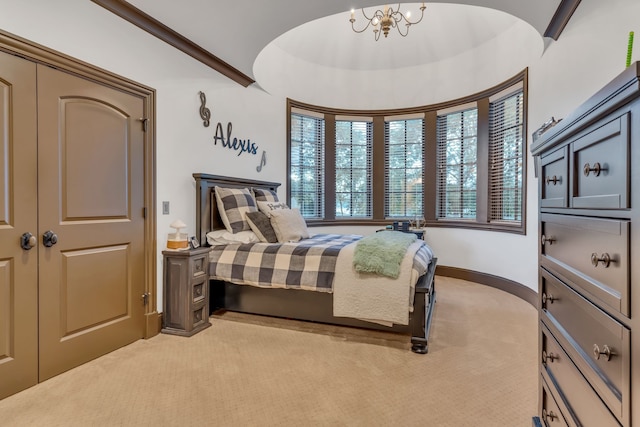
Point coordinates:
[[419, 232], [186, 291]]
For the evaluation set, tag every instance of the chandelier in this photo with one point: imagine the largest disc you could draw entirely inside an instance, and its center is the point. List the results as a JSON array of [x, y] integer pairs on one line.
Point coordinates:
[[384, 20]]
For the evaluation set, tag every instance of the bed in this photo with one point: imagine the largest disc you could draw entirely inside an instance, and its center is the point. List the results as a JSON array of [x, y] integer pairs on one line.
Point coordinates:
[[299, 304]]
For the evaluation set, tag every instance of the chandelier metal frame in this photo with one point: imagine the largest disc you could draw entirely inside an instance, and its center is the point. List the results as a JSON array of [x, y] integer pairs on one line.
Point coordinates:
[[386, 19]]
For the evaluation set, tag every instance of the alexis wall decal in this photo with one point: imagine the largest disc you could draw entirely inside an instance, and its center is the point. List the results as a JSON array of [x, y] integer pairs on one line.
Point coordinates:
[[227, 141]]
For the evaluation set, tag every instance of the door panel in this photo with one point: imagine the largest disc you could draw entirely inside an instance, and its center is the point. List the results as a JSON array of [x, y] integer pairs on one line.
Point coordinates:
[[18, 214], [94, 285], [107, 169], [91, 178]]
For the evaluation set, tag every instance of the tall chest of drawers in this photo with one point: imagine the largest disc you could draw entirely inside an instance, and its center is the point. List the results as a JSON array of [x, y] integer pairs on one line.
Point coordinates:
[[588, 168]]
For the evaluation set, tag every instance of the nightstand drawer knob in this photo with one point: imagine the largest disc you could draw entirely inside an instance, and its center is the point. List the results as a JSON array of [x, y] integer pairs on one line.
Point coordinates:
[[550, 357], [605, 259], [606, 351]]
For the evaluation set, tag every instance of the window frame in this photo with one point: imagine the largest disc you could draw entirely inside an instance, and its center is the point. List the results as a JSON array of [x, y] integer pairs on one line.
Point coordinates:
[[319, 170], [368, 147], [429, 204]]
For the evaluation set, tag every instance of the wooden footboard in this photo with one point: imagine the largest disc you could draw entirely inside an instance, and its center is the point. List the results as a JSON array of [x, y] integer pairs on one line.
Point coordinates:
[[423, 303], [318, 306]]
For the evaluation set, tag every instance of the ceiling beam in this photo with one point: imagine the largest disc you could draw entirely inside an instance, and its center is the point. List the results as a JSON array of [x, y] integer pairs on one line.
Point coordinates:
[[561, 18], [156, 28]]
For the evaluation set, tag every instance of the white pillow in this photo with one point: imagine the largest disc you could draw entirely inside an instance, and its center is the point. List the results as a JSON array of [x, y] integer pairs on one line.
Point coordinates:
[[268, 207], [289, 225], [223, 237]]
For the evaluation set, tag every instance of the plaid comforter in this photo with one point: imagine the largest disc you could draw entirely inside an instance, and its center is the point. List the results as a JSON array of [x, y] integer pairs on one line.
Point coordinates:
[[308, 264]]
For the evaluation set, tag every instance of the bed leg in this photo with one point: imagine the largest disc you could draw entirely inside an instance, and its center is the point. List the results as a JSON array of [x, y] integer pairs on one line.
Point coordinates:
[[419, 346]]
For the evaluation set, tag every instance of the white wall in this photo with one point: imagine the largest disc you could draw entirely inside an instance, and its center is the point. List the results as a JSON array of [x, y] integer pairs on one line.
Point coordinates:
[[590, 52]]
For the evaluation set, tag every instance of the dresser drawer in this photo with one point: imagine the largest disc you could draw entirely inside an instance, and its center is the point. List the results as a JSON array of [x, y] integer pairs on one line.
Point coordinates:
[[554, 184], [584, 406], [599, 344], [600, 161], [551, 415], [592, 253]]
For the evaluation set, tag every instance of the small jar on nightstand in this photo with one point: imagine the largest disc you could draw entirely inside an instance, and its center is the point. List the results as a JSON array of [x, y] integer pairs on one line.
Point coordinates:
[[186, 291]]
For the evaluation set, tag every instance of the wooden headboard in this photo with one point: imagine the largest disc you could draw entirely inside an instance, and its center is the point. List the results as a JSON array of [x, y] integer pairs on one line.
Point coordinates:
[[207, 217]]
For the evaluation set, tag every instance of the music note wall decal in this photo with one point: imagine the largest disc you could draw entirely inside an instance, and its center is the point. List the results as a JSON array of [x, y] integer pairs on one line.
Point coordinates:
[[263, 161], [205, 113]]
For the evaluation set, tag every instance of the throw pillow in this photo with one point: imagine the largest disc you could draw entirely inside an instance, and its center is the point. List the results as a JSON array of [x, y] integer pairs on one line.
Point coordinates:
[[264, 195], [233, 203], [261, 226], [268, 207], [289, 225]]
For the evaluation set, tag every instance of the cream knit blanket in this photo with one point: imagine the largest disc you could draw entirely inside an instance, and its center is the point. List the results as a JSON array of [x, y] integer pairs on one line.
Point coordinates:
[[372, 297]]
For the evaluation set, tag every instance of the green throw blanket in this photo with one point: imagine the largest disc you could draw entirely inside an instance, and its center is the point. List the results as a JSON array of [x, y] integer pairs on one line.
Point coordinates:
[[382, 253]]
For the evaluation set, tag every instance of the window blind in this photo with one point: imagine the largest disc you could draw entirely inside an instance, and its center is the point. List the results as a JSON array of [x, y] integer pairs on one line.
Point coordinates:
[[506, 133], [307, 165], [404, 148], [456, 164], [353, 163]]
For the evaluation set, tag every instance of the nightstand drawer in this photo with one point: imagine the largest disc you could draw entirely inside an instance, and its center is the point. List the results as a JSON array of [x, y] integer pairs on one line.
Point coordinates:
[[599, 344], [585, 407], [199, 291], [199, 315], [199, 265], [601, 167], [591, 252], [554, 183]]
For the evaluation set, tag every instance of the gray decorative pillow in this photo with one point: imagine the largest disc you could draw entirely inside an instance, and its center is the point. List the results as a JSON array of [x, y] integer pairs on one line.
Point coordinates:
[[233, 204], [261, 225], [289, 225], [264, 195]]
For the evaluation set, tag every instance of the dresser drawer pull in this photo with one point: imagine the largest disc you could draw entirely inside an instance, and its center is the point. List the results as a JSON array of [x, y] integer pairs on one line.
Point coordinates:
[[604, 259], [606, 351], [544, 240], [554, 179], [549, 415], [550, 357], [548, 299], [596, 169]]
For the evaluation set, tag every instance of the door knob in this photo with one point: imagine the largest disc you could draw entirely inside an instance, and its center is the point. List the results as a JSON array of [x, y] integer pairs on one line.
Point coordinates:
[[49, 238], [27, 241]]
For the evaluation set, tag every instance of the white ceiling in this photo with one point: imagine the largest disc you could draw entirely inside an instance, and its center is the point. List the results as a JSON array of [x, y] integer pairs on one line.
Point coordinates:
[[237, 31]]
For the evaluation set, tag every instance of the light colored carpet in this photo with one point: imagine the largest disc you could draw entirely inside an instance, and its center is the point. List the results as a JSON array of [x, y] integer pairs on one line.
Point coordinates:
[[253, 371]]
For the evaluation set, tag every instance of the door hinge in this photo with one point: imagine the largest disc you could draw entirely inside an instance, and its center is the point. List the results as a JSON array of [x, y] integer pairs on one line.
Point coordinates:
[[144, 212], [145, 123], [145, 298]]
